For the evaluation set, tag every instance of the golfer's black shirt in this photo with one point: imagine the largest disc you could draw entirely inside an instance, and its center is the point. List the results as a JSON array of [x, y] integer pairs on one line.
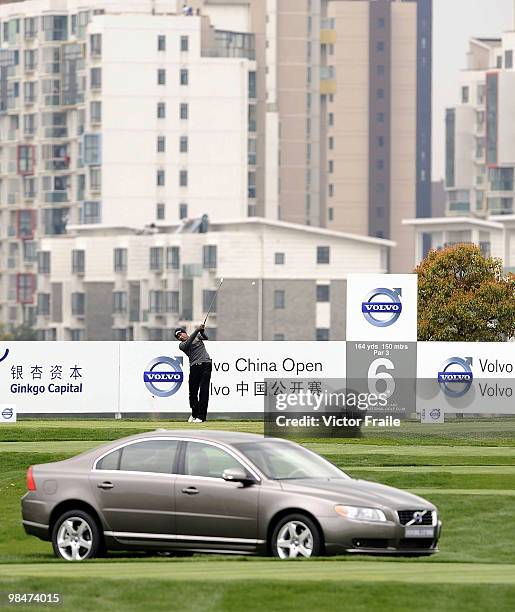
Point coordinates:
[[195, 349]]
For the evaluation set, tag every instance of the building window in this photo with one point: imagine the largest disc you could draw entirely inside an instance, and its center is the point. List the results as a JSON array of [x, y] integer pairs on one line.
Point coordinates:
[[323, 255], [252, 84], [499, 61], [161, 42], [330, 190], [183, 110], [119, 302], [43, 304], [156, 258], [331, 166], [78, 304], [95, 178], [95, 79], [160, 211], [183, 178], [331, 143], [160, 178], [26, 221], [380, 164], [492, 122], [330, 119], [44, 262], [156, 301], [251, 178], [465, 94], [183, 144], [120, 260], [183, 211], [92, 150], [279, 299], [279, 259], [380, 141], [91, 213], [95, 45], [161, 76], [207, 296], [161, 144], [330, 213], [322, 334], [381, 23], [26, 159], [209, 255], [323, 293], [95, 112], [380, 93], [450, 139], [380, 117], [252, 118], [508, 59], [279, 337], [184, 76], [172, 301], [25, 287], [380, 46], [161, 110], [78, 261], [185, 43], [173, 259], [77, 335], [380, 70]]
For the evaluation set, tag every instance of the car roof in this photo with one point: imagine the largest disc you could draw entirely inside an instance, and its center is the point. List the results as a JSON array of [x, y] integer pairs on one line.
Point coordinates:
[[228, 437]]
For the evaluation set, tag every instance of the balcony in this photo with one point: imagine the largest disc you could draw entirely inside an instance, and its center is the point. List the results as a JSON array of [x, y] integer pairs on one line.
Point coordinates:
[[57, 196], [192, 270], [327, 31], [327, 80]]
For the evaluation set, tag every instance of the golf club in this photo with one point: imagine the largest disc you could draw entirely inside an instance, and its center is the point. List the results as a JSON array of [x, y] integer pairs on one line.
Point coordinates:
[[213, 300]]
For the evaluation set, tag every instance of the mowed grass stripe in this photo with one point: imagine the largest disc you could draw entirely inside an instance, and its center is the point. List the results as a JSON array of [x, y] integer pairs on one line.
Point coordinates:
[[451, 469], [221, 571], [75, 446], [434, 490]]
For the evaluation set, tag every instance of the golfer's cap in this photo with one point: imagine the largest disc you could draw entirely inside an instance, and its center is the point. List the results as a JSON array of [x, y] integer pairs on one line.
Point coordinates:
[[178, 331]]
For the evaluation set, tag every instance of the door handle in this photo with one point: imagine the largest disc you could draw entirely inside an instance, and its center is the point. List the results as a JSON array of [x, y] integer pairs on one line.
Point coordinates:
[[105, 485], [190, 490]]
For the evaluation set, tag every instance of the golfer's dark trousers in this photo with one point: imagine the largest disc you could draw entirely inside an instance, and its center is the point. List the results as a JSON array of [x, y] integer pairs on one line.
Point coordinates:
[[200, 378]]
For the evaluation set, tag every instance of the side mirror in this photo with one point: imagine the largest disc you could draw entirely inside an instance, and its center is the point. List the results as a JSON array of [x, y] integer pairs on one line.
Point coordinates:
[[237, 475]]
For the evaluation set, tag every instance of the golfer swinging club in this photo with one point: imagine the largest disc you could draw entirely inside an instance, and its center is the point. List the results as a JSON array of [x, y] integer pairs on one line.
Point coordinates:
[[200, 370]]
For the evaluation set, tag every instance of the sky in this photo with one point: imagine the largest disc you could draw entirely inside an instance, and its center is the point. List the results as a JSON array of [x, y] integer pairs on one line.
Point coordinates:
[[454, 22]]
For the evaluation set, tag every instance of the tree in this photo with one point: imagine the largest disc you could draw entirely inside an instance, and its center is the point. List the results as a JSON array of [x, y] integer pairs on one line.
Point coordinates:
[[21, 332], [463, 295]]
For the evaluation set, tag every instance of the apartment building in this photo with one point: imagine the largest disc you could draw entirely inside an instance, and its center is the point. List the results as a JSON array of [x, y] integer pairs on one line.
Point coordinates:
[[480, 132], [344, 111], [116, 111], [282, 281], [378, 131]]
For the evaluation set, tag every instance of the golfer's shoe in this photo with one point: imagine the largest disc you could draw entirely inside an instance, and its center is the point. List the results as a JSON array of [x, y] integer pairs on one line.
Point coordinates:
[[190, 420], [197, 421]]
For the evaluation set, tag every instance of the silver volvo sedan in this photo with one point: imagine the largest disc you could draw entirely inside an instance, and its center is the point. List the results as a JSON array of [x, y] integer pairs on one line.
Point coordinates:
[[217, 491]]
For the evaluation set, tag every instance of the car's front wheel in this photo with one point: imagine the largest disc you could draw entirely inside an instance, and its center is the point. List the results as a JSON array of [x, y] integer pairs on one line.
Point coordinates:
[[75, 536], [296, 536]]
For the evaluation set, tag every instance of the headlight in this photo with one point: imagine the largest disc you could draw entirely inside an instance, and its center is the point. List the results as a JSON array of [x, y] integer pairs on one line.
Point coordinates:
[[360, 514]]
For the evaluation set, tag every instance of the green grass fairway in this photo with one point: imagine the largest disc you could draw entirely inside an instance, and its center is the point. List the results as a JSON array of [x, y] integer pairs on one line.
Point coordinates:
[[466, 468]]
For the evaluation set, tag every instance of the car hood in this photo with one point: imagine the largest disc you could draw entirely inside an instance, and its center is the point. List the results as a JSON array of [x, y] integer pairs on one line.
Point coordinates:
[[357, 492]]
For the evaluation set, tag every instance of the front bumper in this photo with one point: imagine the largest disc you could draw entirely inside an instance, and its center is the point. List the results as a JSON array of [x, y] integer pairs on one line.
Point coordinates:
[[360, 537]]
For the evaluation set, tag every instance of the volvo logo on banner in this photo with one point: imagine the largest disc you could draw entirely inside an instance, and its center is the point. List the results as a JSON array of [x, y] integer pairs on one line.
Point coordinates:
[[382, 307], [455, 376], [164, 376]]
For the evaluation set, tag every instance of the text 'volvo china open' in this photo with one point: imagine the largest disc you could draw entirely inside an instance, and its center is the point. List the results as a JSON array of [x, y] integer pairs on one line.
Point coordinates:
[[219, 492]]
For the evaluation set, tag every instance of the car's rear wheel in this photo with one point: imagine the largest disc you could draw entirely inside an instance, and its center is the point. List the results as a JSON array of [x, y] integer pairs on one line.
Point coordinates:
[[76, 536], [296, 536]]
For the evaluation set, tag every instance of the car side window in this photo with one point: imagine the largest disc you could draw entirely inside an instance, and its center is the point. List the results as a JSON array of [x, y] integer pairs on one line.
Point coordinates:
[[110, 462], [207, 460], [149, 456]]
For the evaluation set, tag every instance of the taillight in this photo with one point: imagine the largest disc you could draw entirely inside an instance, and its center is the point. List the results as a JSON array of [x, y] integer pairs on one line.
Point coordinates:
[[31, 484]]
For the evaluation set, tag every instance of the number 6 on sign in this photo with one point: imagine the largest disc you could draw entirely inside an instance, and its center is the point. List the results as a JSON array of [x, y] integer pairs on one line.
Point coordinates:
[[374, 376]]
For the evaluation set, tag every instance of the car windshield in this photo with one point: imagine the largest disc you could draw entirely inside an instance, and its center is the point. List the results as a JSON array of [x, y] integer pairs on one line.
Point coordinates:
[[285, 461]]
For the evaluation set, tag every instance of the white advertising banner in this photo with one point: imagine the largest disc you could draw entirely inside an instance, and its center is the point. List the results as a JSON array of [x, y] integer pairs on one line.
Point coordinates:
[[382, 307], [59, 377], [466, 377], [154, 375]]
